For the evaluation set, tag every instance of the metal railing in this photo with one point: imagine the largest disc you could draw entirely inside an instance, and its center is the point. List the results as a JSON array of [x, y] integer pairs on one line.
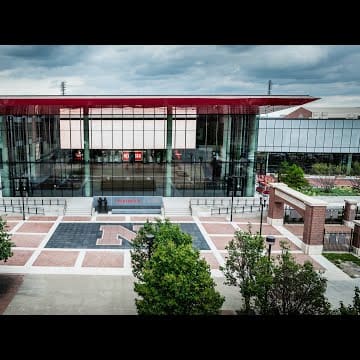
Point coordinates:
[[32, 201], [236, 209], [337, 241], [332, 216], [19, 209], [222, 202]]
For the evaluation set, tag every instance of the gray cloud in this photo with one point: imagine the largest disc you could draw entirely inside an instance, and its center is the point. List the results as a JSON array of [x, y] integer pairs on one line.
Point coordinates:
[[322, 71], [40, 56]]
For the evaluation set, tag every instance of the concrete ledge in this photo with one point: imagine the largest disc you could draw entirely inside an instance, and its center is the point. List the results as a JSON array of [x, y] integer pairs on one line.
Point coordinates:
[[311, 249], [297, 195], [349, 224], [276, 222], [136, 211]]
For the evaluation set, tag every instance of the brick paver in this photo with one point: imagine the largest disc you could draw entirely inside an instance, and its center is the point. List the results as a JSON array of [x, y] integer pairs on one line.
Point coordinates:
[[12, 217], [266, 229], [180, 218], [110, 235], [10, 225], [301, 258], [221, 241], [217, 228], [19, 258], [213, 218], [276, 246], [22, 240], [110, 218], [243, 219], [42, 218], [210, 259], [296, 229], [143, 218], [76, 218], [29, 227], [56, 258], [103, 259]]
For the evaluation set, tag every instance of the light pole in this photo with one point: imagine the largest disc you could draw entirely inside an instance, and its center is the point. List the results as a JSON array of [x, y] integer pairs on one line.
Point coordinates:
[[270, 240], [150, 241], [22, 188], [233, 178], [263, 199]]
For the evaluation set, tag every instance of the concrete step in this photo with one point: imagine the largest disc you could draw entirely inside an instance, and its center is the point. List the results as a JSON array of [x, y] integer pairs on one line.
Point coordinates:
[[179, 212]]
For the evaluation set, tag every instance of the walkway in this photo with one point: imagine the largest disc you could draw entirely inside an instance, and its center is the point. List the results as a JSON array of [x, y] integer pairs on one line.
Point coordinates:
[[94, 289]]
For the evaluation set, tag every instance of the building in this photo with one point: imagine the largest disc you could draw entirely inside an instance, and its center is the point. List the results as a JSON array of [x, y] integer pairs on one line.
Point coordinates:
[[132, 145], [310, 135]]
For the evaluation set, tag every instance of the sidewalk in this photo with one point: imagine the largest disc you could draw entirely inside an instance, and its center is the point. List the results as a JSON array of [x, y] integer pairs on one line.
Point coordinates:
[[101, 277]]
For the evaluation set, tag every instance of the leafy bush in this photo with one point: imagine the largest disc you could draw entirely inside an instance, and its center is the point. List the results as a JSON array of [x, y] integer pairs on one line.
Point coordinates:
[[5, 243]]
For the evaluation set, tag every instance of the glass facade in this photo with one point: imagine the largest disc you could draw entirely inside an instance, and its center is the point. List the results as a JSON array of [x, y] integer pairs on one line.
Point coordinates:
[[307, 141], [163, 151]]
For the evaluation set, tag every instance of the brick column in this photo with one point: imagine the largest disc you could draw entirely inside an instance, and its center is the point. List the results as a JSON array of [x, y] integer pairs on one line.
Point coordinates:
[[314, 221], [276, 209], [356, 237], [350, 212]]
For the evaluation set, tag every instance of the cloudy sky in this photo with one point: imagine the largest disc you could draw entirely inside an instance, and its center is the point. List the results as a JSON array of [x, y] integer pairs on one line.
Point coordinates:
[[330, 72]]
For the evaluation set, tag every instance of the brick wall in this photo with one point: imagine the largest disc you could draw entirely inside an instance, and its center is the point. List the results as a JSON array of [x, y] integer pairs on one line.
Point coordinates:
[[356, 238], [314, 221], [276, 206], [350, 210]]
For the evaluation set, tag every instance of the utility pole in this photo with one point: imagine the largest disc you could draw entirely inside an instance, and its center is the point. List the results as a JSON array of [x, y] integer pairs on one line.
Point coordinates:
[[269, 87], [63, 87]]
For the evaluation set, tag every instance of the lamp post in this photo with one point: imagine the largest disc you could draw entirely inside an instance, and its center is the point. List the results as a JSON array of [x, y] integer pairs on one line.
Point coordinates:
[[263, 199], [22, 188], [150, 241], [270, 240], [233, 178]]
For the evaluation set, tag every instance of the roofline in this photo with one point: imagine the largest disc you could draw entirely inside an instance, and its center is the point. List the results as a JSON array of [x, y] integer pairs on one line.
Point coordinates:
[[250, 104], [153, 96]]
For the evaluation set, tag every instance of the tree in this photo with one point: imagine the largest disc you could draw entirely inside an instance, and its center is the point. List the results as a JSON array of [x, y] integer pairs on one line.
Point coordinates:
[[355, 183], [173, 280], [244, 254], [293, 176], [353, 309], [326, 178], [5, 243], [273, 287], [355, 169], [177, 282], [163, 231], [296, 289]]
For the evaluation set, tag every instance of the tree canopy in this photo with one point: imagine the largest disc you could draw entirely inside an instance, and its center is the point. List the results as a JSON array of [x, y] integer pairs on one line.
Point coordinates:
[[177, 282], [172, 278], [277, 286], [5, 243], [292, 175]]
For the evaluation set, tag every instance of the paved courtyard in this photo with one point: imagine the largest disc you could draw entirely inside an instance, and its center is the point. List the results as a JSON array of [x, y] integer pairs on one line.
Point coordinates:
[[101, 244], [49, 248]]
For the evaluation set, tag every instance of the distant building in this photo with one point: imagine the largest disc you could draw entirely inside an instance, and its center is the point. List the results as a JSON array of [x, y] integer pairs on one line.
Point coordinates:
[[310, 135]]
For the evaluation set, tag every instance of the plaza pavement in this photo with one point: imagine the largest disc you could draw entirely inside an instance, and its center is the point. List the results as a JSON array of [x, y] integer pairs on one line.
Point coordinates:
[[99, 281]]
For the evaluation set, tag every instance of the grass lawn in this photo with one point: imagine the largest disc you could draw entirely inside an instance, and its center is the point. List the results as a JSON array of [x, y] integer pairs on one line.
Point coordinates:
[[348, 263]]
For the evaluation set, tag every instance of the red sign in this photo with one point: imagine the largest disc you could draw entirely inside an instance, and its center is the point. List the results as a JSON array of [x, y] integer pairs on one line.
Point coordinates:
[[125, 155], [137, 155]]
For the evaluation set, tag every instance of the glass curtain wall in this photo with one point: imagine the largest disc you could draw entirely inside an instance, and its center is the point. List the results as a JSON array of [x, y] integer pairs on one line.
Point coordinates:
[[128, 152]]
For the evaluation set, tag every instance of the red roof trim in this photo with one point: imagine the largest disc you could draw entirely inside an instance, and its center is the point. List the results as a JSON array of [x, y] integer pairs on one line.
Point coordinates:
[[153, 102]]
